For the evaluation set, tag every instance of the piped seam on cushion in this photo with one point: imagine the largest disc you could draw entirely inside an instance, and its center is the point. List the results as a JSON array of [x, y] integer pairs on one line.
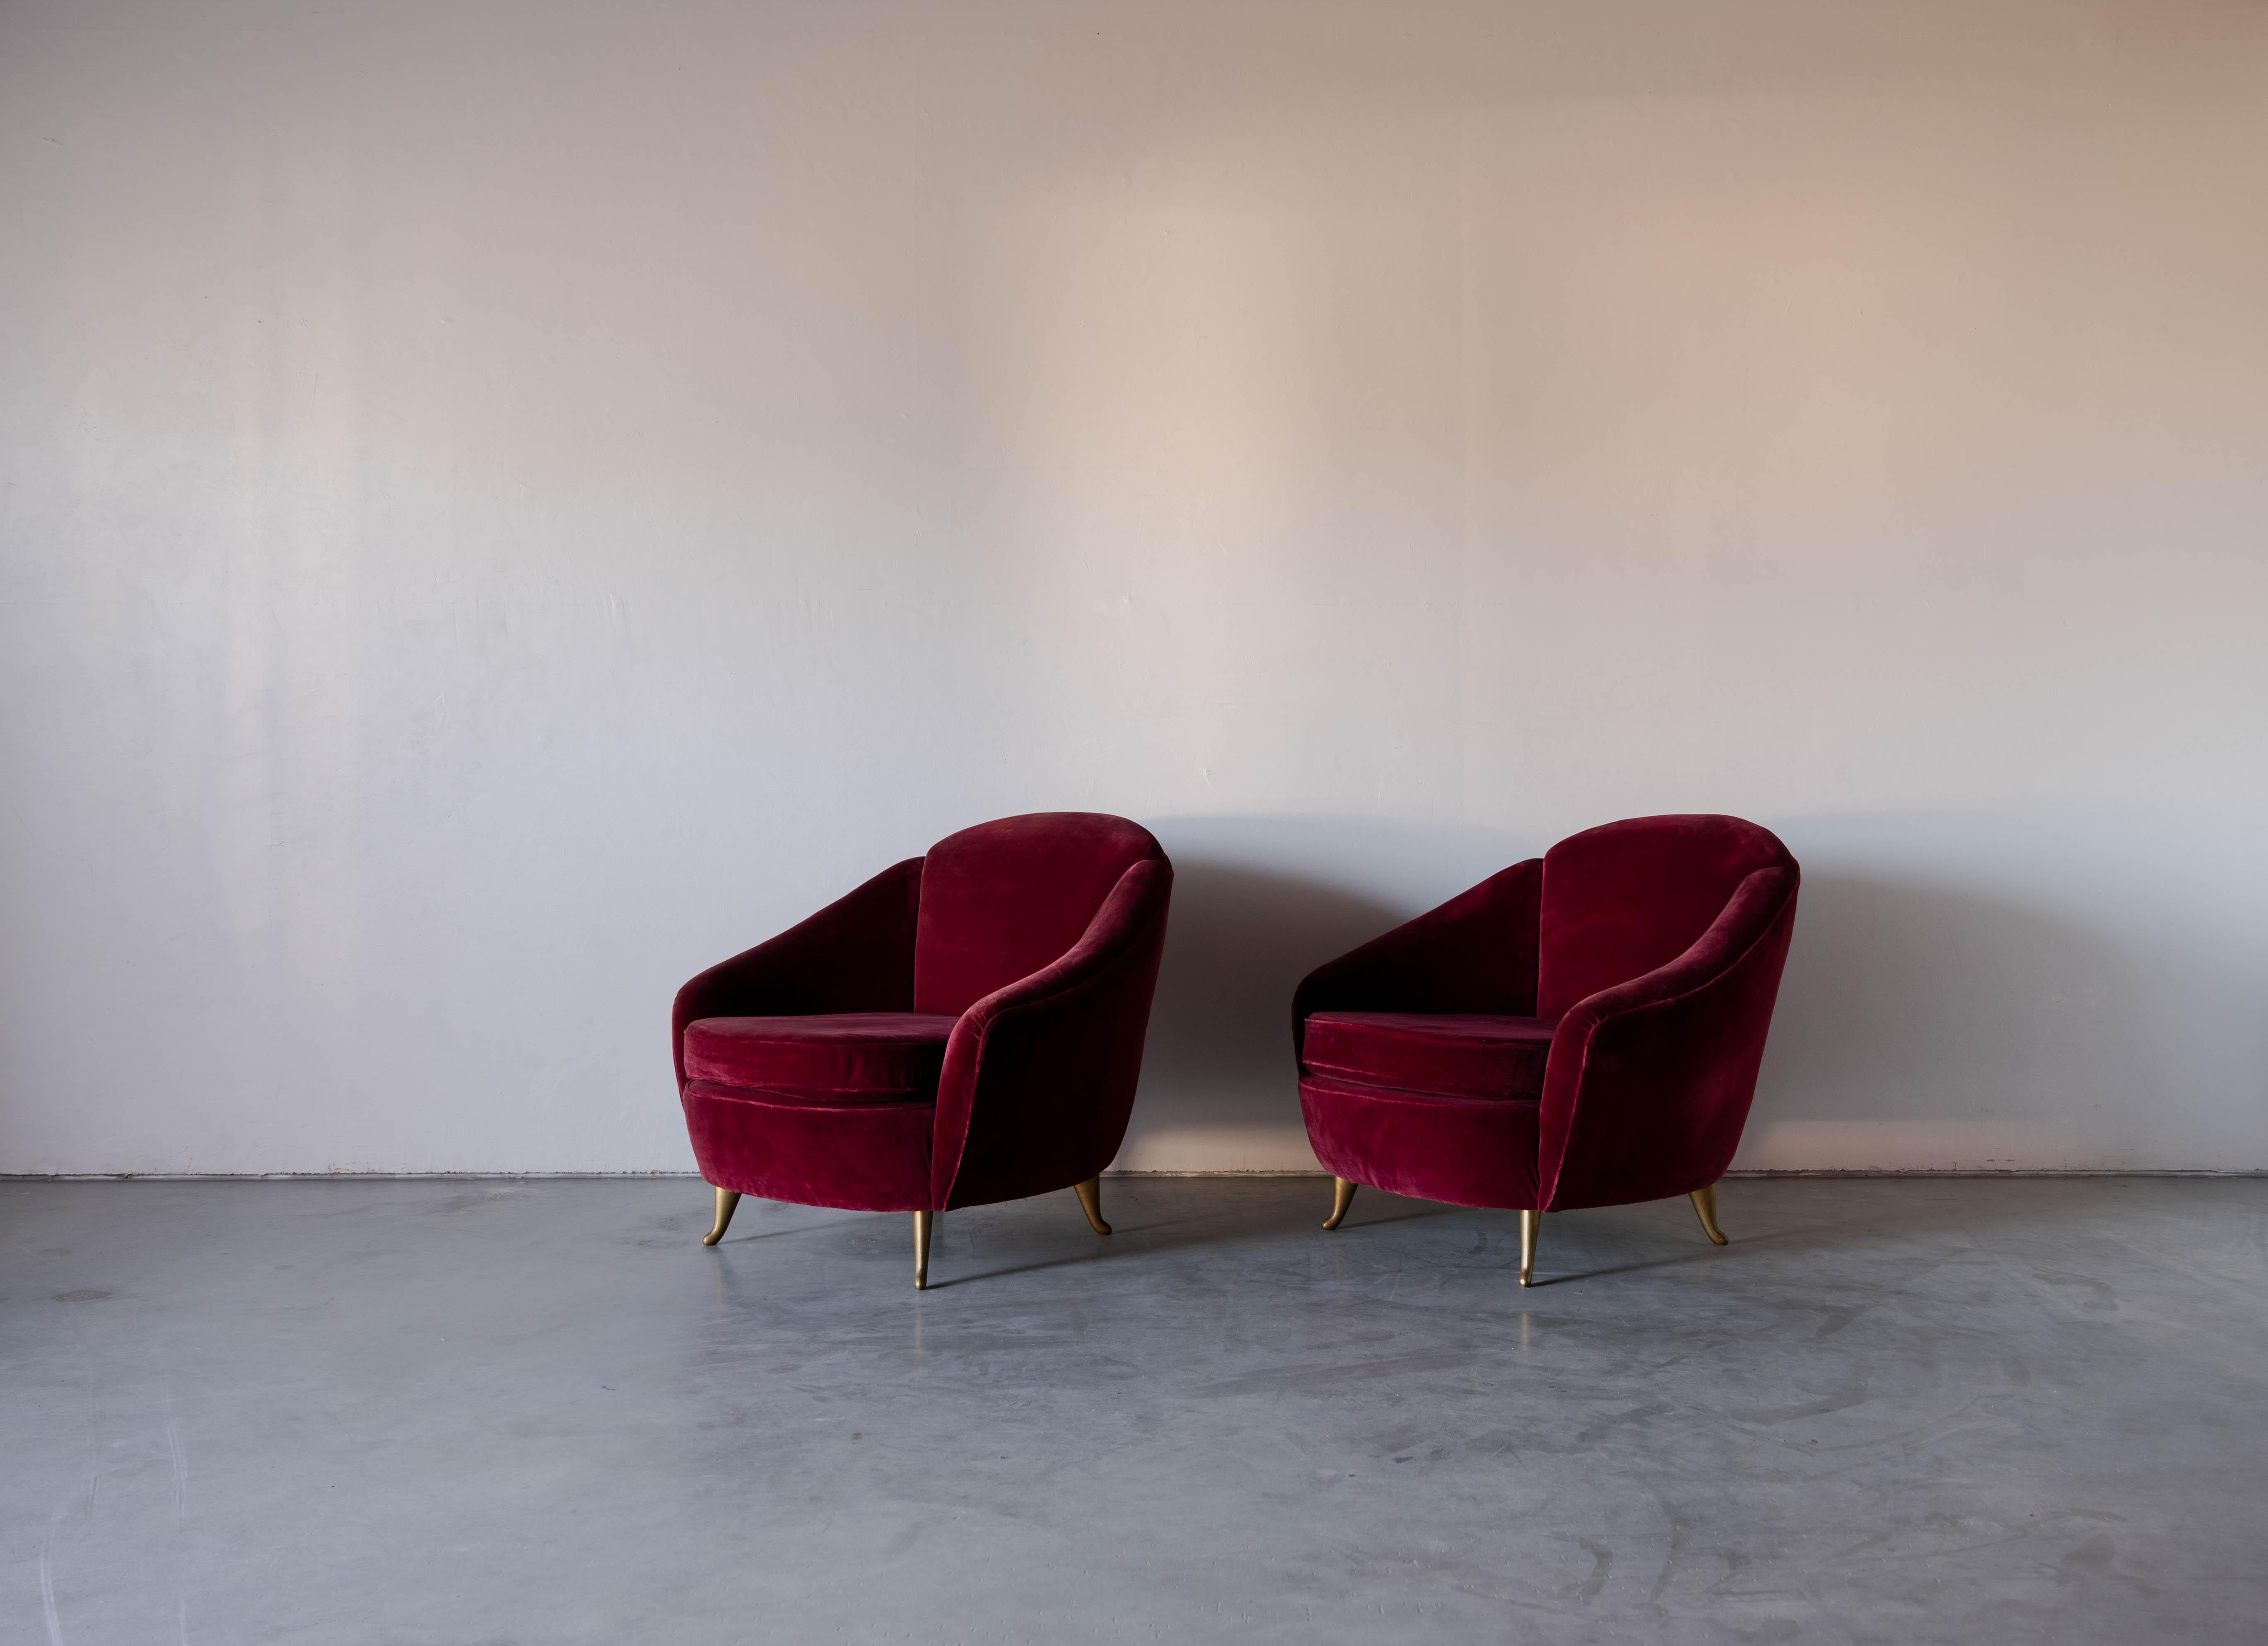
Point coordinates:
[[779, 1096], [1356, 1078], [1369, 1089]]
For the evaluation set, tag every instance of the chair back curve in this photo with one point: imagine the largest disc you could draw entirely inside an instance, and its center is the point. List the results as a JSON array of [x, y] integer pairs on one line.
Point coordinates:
[[1002, 900], [1622, 898]]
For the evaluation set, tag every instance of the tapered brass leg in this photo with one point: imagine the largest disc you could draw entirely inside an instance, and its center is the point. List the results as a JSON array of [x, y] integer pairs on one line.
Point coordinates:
[[1704, 1201], [1531, 1225], [1090, 1202], [726, 1200], [1341, 1197], [921, 1251]]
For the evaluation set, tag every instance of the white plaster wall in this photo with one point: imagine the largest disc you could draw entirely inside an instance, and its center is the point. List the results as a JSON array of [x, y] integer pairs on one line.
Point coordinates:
[[506, 502]]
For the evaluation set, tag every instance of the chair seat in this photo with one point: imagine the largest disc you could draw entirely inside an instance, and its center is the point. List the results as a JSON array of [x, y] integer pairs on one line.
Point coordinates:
[[834, 1057], [1456, 1055]]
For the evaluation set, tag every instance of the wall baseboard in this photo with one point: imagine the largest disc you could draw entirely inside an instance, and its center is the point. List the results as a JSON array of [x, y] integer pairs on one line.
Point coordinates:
[[2005, 1171], [691, 1177]]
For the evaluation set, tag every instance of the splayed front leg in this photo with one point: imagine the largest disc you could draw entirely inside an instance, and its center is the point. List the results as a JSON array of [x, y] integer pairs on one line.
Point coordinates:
[[726, 1200], [1090, 1202]]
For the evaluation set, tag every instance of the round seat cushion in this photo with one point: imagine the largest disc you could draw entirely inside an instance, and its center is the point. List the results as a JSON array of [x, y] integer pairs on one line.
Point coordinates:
[[1461, 1054], [833, 1057]]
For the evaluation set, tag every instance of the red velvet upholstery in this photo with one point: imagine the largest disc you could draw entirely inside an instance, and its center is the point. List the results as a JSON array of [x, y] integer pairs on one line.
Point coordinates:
[[1623, 898], [863, 1157], [1445, 1054], [1469, 1151], [1649, 951], [845, 1056], [1476, 953], [854, 955], [1003, 900], [963, 1028]]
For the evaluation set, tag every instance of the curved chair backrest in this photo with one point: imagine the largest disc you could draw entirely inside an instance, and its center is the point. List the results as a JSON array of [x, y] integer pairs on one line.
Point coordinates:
[[1624, 898], [1002, 900]]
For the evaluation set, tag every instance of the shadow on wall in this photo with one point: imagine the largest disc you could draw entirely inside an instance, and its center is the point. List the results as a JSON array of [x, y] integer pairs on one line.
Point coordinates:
[[1962, 993], [1217, 1078], [1921, 1025], [1259, 902]]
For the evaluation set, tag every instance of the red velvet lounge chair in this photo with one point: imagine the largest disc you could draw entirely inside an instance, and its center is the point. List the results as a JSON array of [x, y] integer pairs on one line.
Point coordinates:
[[964, 1028], [1580, 1030]]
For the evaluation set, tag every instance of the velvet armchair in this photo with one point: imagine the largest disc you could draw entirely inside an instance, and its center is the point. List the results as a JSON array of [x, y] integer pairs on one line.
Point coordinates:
[[966, 1027], [1583, 1029]]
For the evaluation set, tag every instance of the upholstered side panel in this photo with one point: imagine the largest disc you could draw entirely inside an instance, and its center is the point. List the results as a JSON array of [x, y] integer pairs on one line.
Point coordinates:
[[1040, 1076], [1623, 898], [1650, 1081], [1003, 900]]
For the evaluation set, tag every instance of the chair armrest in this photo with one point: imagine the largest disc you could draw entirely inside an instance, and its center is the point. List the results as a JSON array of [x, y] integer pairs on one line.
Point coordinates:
[[1039, 1076], [857, 954], [1650, 1081], [1476, 952]]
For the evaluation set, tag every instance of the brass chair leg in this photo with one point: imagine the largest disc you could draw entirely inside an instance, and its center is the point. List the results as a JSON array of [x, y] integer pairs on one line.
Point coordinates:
[[921, 1251], [1341, 1197], [726, 1200], [1705, 1203], [1090, 1202], [1531, 1223]]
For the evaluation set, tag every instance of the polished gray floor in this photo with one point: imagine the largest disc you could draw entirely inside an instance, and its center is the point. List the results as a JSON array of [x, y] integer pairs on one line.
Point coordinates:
[[491, 1412]]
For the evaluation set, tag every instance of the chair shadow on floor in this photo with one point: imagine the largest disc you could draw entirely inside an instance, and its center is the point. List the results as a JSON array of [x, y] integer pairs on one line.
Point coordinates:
[[1816, 1215], [1620, 1241]]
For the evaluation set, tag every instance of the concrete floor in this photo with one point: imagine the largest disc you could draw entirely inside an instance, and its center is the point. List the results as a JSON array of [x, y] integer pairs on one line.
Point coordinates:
[[531, 1412]]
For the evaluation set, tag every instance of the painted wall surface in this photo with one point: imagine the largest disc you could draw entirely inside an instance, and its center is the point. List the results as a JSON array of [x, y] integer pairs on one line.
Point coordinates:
[[504, 503]]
